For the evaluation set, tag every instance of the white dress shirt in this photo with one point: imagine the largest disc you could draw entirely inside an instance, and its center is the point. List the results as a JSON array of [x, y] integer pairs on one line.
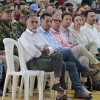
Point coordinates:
[[75, 2], [28, 39], [91, 33]]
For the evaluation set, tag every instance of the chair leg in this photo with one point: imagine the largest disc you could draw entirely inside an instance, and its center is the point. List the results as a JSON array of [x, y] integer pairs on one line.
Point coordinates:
[[32, 79], [5, 85], [14, 86], [52, 82], [21, 86], [26, 86], [44, 83], [69, 82], [40, 87]]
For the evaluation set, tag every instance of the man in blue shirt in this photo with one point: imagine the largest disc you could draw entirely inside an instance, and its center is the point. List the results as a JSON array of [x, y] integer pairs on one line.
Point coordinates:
[[72, 63]]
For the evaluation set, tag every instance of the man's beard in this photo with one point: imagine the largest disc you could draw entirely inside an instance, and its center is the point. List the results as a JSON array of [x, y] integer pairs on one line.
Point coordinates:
[[34, 31]]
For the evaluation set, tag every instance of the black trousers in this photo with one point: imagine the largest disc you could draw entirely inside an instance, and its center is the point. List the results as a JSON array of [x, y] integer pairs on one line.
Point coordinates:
[[49, 63]]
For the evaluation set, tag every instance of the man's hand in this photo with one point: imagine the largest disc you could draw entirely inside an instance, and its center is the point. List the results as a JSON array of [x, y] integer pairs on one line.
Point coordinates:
[[2, 52], [46, 50], [74, 45], [37, 47], [55, 51]]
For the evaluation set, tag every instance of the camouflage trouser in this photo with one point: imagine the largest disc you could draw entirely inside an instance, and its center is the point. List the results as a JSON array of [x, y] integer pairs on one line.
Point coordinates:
[[16, 62]]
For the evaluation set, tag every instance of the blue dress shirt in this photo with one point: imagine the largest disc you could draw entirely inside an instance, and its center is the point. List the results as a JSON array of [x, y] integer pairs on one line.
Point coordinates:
[[50, 38]]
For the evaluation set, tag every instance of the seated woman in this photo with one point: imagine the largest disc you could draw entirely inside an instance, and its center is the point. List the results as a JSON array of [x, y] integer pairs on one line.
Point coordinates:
[[80, 37]]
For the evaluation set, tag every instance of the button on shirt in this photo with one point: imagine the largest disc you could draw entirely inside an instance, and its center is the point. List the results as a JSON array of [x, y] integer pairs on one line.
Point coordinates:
[[91, 33], [50, 38], [68, 34], [28, 39]]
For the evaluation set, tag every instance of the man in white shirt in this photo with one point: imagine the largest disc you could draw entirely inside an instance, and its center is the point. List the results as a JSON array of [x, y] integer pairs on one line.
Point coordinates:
[[38, 56], [89, 28], [92, 33]]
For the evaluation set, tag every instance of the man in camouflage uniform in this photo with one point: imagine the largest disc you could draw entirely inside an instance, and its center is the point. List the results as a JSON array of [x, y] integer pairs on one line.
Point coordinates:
[[5, 24], [0, 13], [6, 32], [19, 26]]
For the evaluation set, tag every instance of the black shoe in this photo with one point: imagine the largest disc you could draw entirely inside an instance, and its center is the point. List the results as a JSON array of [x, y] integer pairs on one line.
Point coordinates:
[[82, 95], [90, 72], [97, 57], [57, 87], [1, 93], [63, 98], [47, 85]]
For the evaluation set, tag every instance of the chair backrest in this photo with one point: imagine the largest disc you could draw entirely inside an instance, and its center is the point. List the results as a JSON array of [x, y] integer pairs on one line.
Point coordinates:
[[9, 48]]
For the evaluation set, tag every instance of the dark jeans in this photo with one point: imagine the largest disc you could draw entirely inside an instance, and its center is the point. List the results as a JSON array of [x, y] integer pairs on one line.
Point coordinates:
[[99, 50], [50, 63], [73, 66]]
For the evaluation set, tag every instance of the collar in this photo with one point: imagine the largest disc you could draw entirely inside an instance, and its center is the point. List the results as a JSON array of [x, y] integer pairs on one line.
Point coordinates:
[[30, 32], [21, 24], [43, 30], [64, 30], [88, 25], [54, 31]]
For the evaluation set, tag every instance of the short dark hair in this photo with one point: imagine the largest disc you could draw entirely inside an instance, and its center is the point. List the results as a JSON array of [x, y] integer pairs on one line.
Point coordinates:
[[83, 13], [28, 16], [66, 14], [19, 5], [68, 4], [78, 9], [45, 14], [86, 14], [63, 8]]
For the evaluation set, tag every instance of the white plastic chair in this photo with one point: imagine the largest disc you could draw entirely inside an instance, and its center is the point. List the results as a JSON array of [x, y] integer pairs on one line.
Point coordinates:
[[67, 79], [52, 93], [26, 74]]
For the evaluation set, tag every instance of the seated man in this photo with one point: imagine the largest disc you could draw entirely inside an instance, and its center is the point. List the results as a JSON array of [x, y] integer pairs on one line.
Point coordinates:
[[38, 57], [66, 32], [89, 28], [6, 32], [69, 58]]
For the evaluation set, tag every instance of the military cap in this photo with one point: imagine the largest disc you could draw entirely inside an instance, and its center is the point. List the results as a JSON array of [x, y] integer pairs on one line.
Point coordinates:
[[7, 8], [24, 12]]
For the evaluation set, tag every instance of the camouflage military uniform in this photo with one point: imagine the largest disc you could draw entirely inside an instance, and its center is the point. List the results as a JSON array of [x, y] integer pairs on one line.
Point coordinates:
[[5, 32], [18, 27]]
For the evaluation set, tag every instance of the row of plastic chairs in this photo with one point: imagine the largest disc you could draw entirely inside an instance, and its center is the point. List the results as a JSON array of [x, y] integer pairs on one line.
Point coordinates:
[[27, 75]]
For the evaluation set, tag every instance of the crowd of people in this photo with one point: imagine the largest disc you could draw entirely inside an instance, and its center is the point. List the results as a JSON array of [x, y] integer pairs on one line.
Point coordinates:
[[56, 35]]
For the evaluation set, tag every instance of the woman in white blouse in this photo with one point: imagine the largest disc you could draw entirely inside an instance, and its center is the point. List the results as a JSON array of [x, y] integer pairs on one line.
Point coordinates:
[[80, 37]]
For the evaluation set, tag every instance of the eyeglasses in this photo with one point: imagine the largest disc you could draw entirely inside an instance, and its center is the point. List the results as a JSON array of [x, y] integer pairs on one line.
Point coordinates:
[[56, 20]]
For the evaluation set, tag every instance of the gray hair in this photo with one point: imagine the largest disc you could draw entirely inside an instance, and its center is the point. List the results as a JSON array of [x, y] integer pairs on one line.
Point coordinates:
[[28, 16]]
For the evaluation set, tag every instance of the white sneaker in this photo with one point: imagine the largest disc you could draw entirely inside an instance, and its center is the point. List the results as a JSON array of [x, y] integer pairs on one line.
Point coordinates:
[[85, 90]]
